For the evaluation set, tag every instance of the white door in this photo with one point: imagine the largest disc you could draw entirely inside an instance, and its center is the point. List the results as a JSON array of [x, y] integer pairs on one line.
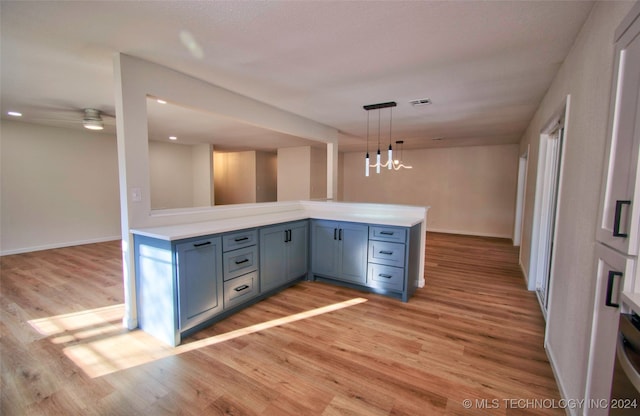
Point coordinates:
[[549, 209], [619, 213]]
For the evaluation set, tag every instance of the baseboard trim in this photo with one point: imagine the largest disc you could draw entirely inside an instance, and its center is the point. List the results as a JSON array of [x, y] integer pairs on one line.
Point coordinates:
[[525, 275], [470, 233], [561, 389], [59, 245]]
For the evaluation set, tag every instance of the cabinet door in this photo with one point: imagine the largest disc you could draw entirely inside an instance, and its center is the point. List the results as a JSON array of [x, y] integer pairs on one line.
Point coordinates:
[[614, 274], [619, 211], [199, 281], [353, 240], [297, 250], [273, 256], [325, 257]]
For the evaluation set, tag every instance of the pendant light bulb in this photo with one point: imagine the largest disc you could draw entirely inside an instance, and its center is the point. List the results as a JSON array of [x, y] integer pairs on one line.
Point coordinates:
[[390, 159], [366, 165], [378, 162]]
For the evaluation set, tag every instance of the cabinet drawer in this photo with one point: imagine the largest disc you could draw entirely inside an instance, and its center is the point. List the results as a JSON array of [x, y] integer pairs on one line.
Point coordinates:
[[239, 240], [391, 254], [385, 277], [392, 234], [240, 289], [239, 262]]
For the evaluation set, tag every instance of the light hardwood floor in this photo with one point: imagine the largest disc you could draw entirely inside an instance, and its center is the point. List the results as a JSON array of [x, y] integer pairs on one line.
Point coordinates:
[[473, 332]]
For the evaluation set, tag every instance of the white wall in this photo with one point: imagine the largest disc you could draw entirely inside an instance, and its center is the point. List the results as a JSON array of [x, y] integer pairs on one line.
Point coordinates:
[[202, 179], [180, 175], [170, 175], [318, 174], [59, 187], [294, 173], [234, 176], [586, 75], [266, 177], [471, 190]]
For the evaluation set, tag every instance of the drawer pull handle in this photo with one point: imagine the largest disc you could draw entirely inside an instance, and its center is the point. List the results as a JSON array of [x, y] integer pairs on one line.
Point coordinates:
[[241, 288], [386, 276], [242, 261], [612, 275], [202, 244], [386, 232], [388, 253], [237, 240], [616, 219]]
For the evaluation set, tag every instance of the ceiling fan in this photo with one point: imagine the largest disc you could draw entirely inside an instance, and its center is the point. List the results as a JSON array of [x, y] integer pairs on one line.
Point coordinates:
[[67, 116]]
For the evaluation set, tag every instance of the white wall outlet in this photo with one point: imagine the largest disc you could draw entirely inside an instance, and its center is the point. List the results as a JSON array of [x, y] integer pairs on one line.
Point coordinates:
[[136, 194]]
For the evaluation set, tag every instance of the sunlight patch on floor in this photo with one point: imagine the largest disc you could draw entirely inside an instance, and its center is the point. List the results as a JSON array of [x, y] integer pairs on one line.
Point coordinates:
[[98, 344]]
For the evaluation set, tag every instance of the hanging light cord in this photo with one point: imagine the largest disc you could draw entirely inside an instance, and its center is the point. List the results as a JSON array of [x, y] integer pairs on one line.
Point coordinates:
[[367, 134]]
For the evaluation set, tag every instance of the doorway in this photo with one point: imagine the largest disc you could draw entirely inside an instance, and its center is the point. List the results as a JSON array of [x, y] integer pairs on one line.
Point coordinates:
[[523, 166], [546, 207]]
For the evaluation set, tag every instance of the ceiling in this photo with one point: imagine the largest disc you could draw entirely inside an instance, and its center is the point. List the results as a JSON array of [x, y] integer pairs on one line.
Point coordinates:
[[484, 64]]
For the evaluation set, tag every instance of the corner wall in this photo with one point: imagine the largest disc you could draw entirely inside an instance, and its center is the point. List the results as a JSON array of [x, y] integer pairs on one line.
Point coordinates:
[[471, 190], [586, 76], [59, 187]]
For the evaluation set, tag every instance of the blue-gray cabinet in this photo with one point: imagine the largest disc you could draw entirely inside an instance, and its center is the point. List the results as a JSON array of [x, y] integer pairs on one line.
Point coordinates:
[[339, 250], [371, 257], [240, 267], [178, 284], [387, 258], [283, 254], [185, 285], [199, 280]]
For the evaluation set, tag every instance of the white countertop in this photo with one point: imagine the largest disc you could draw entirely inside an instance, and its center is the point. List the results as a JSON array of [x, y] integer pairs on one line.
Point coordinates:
[[632, 300], [365, 213]]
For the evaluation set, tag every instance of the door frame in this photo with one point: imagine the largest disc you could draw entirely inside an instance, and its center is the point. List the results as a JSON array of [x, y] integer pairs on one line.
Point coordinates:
[[539, 259], [523, 167]]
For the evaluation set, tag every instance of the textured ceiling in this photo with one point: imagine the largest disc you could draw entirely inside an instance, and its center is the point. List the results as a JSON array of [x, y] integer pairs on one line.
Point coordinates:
[[485, 64]]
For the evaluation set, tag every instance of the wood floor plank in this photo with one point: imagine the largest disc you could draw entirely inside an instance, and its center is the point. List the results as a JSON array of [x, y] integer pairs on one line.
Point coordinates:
[[473, 333]]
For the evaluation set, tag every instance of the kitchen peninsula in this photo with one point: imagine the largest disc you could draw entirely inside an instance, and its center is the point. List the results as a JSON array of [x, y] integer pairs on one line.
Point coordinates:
[[189, 276]]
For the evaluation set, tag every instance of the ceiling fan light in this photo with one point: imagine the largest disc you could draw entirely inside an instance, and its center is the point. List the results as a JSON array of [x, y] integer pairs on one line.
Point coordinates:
[[92, 119], [92, 124]]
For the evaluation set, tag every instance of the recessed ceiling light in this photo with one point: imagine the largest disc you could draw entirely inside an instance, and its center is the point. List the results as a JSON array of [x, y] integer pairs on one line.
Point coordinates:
[[14, 113], [173, 138], [420, 101], [161, 101], [438, 138]]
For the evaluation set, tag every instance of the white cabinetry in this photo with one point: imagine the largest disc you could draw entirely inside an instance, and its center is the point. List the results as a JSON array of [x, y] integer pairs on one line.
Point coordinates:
[[613, 272], [619, 210], [619, 217]]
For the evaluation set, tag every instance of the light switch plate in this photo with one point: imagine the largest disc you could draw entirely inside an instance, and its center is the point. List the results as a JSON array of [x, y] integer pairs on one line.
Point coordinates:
[[136, 194]]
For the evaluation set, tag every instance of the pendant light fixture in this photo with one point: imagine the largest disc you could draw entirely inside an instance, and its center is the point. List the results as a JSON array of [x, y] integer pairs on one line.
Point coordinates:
[[399, 163], [378, 165], [390, 151], [366, 159]]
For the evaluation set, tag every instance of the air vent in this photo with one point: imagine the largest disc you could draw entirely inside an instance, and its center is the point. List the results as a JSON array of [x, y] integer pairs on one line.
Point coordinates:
[[420, 102]]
